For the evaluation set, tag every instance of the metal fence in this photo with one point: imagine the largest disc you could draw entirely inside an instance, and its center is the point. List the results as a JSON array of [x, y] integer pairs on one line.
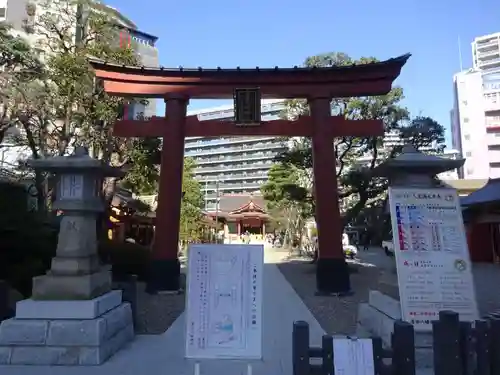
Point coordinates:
[[459, 348]]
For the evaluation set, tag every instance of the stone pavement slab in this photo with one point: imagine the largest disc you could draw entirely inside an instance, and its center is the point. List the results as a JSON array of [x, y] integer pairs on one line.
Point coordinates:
[[164, 354]]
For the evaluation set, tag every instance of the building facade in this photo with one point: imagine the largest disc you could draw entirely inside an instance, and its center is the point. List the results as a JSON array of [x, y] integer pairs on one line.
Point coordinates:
[[233, 165], [22, 13], [475, 117], [486, 52]]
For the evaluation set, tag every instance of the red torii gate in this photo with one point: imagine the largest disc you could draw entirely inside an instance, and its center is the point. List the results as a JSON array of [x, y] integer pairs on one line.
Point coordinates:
[[317, 85]]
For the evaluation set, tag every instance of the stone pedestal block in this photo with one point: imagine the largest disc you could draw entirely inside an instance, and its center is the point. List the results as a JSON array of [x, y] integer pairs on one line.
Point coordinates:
[[376, 318], [53, 310], [74, 266], [77, 236], [76, 287], [66, 341]]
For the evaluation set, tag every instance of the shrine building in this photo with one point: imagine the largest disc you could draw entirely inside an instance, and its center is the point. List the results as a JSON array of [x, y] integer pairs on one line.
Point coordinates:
[[242, 213]]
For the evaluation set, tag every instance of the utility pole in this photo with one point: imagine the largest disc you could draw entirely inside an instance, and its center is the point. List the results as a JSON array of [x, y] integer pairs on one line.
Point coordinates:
[[206, 194], [217, 207]]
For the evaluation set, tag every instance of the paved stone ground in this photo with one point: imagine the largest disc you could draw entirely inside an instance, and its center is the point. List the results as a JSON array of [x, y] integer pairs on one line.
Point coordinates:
[[164, 354], [375, 272]]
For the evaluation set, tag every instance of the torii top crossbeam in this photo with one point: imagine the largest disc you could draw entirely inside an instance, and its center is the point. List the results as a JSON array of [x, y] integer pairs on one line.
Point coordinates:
[[289, 83]]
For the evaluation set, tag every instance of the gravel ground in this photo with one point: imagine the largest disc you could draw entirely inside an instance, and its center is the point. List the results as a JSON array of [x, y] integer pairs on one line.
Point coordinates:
[[375, 272], [156, 313], [336, 315]]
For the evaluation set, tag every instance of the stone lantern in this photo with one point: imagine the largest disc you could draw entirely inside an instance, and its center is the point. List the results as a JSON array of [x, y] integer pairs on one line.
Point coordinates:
[[76, 273], [410, 169], [73, 317]]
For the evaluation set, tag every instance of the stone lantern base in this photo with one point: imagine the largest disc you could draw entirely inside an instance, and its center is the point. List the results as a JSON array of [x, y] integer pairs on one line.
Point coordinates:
[[377, 317], [78, 333]]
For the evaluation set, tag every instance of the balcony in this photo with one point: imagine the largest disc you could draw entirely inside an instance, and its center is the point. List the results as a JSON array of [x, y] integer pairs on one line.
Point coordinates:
[[492, 102], [201, 143], [486, 55], [238, 167], [231, 187], [236, 176], [224, 160], [494, 156], [487, 45], [237, 149], [488, 63]]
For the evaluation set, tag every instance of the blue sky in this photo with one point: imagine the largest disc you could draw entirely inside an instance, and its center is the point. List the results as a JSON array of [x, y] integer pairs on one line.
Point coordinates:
[[230, 33]]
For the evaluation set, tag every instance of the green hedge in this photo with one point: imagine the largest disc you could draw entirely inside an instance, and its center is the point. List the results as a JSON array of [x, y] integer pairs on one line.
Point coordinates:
[[28, 244], [126, 259]]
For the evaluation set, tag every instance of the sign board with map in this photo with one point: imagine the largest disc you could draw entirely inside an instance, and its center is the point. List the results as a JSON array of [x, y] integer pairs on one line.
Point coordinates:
[[224, 301], [432, 256]]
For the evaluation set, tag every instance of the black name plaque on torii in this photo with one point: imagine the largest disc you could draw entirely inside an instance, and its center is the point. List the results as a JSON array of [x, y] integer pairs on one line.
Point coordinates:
[[247, 106]]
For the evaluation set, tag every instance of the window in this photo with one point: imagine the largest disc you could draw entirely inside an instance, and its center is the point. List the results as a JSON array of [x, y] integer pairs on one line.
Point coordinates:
[[468, 154], [464, 102], [3, 12], [465, 120], [467, 137]]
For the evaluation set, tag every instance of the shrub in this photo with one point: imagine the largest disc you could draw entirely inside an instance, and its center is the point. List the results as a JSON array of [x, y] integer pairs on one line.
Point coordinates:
[[27, 245], [126, 259]]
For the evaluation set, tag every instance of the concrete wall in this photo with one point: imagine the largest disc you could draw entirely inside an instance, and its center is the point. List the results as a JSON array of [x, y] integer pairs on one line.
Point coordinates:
[[16, 13]]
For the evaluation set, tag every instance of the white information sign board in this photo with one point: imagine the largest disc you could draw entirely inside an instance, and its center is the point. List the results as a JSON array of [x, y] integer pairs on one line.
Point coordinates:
[[353, 357], [224, 301], [432, 256]]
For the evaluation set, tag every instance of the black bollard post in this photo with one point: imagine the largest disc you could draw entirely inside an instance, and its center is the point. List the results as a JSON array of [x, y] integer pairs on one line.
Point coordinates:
[[403, 346], [327, 346], [483, 343], [467, 350], [300, 348], [495, 345], [446, 344]]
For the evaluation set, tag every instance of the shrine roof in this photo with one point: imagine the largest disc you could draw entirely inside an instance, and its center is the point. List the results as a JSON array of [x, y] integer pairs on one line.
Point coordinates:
[[487, 195], [466, 185], [232, 202], [201, 72]]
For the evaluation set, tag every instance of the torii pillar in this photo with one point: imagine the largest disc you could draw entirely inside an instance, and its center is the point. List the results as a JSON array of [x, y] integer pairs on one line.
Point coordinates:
[[165, 266], [332, 274]]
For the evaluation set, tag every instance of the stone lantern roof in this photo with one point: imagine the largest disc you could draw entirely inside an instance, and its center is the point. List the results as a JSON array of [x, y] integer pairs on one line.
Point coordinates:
[[414, 162], [79, 161]]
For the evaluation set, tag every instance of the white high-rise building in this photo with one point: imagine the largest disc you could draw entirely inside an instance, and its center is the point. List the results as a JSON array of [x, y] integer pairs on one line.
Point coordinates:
[[475, 117], [486, 52]]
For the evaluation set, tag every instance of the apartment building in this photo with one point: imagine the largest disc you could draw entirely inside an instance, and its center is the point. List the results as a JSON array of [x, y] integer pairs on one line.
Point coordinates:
[[475, 117], [22, 14], [233, 165]]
